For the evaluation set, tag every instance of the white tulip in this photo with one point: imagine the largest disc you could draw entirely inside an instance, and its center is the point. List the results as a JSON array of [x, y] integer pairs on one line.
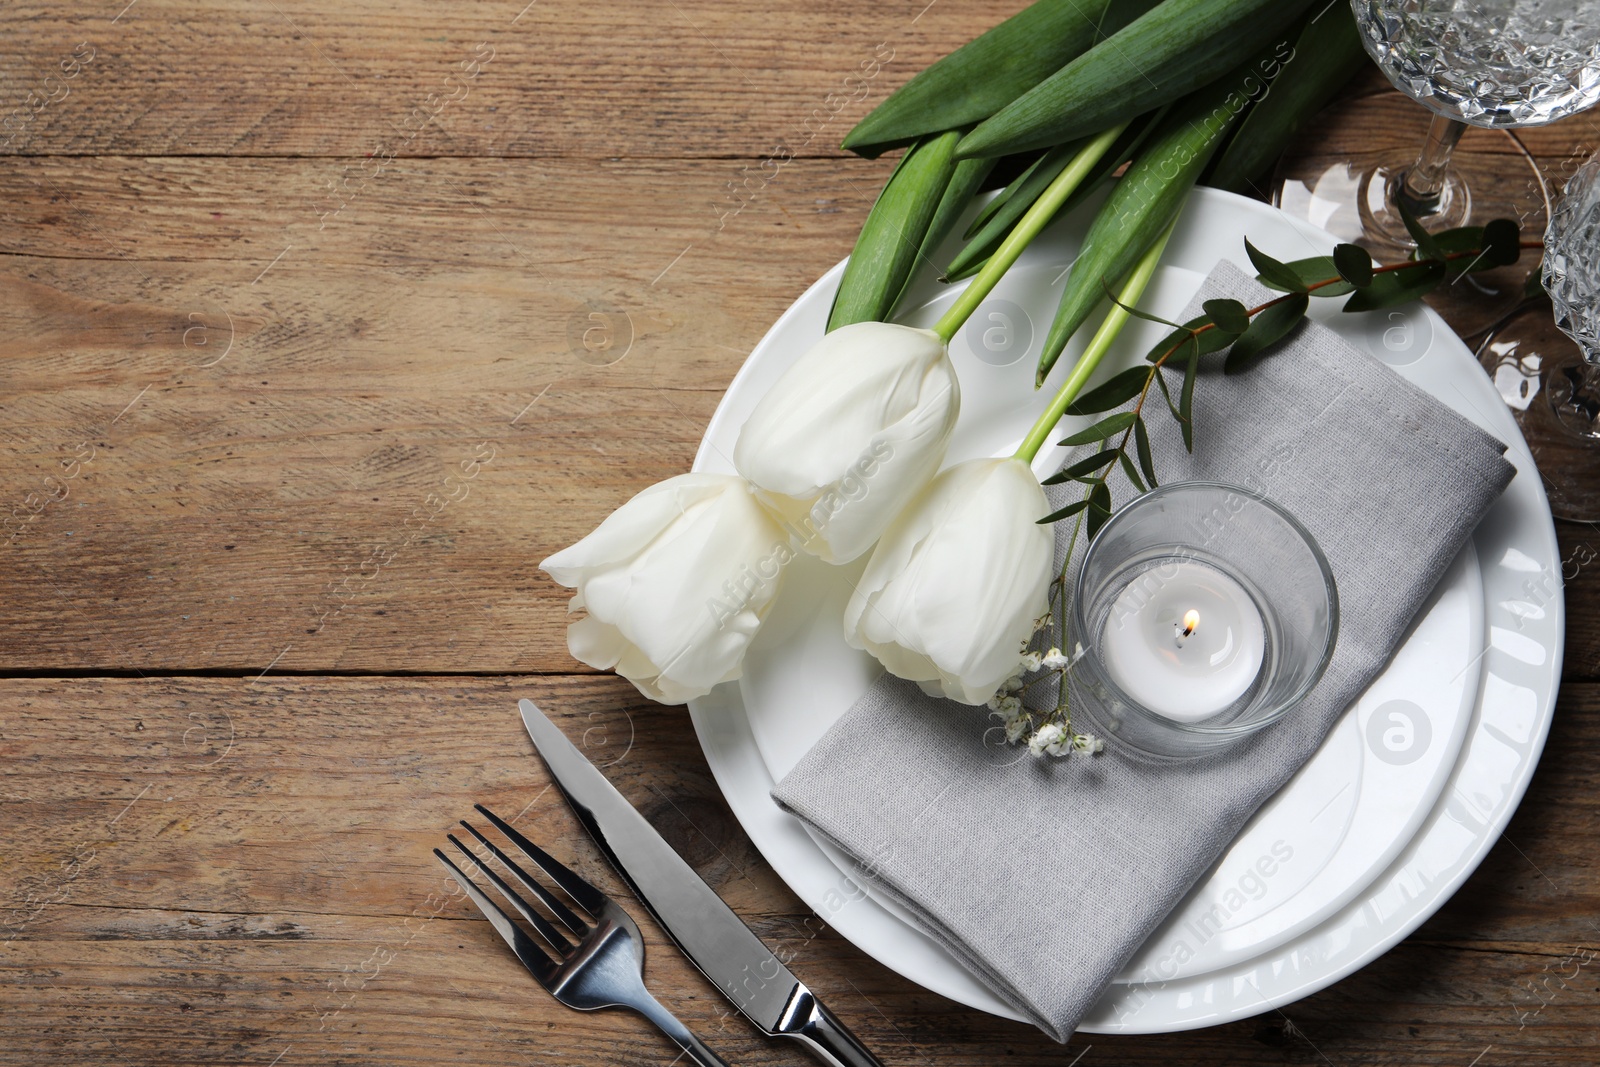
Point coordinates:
[[951, 593], [675, 582], [850, 433]]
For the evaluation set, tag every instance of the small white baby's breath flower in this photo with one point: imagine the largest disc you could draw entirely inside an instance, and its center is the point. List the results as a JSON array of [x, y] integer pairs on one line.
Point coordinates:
[[1047, 738], [1031, 661], [1015, 728], [1055, 659], [1088, 744], [1043, 622]]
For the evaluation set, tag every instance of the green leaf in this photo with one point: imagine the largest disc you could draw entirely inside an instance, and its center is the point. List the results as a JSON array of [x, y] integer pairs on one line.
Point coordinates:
[[1119, 389], [958, 193], [1327, 54], [1228, 315], [1274, 272], [986, 73], [1001, 198], [1173, 346], [1502, 244], [1397, 287], [1141, 440], [1427, 247], [1161, 380], [1082, 468], [1460, 239], [1138, 314], [1140, 207], [1269, 327], [996, 221], [887, 249], [1210, 341], [1066, 512], [1165, 54], [1099, 507], [1354, 264], [1186, 400], [1130, 471], [1315, 271], [1101, 430]]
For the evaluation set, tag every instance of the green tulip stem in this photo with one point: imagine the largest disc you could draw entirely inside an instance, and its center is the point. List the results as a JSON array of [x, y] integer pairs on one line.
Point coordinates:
[[1104, 337], [1026, 229]]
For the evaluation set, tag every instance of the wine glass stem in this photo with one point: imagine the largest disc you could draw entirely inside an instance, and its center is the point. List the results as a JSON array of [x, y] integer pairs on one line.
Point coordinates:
[[1424, 181]]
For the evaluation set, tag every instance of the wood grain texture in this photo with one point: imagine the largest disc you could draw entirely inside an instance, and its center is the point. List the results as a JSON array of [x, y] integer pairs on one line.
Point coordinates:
[[308, 355], [216, 870]]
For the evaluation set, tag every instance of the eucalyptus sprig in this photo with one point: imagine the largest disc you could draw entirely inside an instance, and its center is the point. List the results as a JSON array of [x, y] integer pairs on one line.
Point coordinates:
[[1248, 335]]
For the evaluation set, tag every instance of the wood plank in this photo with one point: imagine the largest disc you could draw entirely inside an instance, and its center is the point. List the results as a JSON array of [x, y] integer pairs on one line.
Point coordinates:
[[217, 870], [560, 78], [370, 359], [227, 508]]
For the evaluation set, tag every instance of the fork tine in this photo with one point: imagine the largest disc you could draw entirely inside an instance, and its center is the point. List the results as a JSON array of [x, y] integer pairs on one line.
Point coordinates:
[[537, 921], [587, 896], [562, 913], [532, 956]]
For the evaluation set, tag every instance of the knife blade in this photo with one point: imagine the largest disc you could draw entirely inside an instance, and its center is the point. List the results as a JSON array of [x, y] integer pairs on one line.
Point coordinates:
[[716, 940]]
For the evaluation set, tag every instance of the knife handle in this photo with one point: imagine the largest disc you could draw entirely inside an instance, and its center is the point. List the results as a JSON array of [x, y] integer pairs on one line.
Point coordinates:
[[825, 1037]]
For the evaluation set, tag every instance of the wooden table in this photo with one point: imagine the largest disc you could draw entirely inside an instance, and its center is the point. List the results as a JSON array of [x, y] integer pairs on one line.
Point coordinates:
[[322, 325]]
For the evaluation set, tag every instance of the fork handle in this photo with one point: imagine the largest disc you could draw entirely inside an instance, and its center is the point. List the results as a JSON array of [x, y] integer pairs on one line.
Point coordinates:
[[668, 1024]]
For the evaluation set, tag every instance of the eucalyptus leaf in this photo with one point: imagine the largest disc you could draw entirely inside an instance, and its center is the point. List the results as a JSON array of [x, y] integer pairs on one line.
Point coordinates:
[[1166, 394], [1354, 264], [1397, 287], [1211, 340], [1082, 468], [1099, 507], [1315, 271], [1119, 389], [1101, 430], [1266, 330], [1274, 272], [1141, 440], [1427, 247], [1228, 315], [1186, 400], [1129, 470], [1502, 241], [1066, 512]]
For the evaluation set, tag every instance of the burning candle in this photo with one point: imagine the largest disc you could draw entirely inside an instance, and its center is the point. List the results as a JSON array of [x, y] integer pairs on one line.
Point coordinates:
[[1184, 640]]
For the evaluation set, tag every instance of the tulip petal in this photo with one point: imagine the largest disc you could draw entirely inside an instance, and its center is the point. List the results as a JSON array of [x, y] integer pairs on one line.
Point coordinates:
[[849, 433], [675, 582], [955, 583]]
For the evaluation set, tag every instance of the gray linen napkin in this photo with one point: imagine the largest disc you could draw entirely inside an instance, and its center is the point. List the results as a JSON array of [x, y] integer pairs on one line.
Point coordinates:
[[1045, 876]]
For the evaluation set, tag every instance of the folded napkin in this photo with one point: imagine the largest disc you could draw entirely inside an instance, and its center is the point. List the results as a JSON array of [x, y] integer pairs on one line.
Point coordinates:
[[1044, 876]]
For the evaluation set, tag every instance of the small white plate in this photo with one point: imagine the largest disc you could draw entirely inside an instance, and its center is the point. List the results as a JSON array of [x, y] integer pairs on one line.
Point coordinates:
[[1374, 833]]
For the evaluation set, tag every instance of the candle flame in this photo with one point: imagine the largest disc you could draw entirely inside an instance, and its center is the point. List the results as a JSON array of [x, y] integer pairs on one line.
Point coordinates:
[[1191, 622]]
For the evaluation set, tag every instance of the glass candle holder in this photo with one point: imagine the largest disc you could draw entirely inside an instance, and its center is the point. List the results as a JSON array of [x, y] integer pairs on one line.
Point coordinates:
[[1204, 612]]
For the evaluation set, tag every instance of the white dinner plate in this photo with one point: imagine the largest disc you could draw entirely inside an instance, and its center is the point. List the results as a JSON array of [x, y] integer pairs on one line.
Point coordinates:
[[1399, 805]]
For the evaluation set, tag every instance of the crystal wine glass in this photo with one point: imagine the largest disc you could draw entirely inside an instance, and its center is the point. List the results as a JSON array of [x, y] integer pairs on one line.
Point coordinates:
[[1492, 64], [1552, 383]]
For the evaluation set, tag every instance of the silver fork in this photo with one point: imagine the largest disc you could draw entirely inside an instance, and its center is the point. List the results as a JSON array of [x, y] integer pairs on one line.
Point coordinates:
[[598, 963]]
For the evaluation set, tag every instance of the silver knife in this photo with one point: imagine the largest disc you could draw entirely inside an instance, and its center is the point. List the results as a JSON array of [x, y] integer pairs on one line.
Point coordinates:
[[706, 929]]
